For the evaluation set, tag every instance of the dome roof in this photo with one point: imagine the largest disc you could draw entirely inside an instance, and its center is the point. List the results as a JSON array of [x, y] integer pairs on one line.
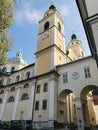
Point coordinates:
[[73, 37], [52, 6], [74, 41], [17, 58]]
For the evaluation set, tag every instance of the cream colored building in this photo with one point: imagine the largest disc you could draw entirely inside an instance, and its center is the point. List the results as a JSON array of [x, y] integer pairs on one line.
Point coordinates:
[[89, 13], [56, 90]]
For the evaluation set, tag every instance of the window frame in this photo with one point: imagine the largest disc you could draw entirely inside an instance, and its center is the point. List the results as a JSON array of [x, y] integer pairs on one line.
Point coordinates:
[[38, 88], [12, 89], [26, 85], [65, 77], [1, 100], [45, 87], [12, 69], [28, 75], [11, 99], [44, 105], [25, 96], [87, 72], [46, 26], [17, 78], [59, 26], [37, 103]]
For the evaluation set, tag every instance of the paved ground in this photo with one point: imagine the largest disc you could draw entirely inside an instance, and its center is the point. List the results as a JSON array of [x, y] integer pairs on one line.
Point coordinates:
[[34, 129], [52, 129]]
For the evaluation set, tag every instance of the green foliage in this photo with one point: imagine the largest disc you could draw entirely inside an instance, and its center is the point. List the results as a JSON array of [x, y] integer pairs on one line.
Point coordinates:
[[6, 20]]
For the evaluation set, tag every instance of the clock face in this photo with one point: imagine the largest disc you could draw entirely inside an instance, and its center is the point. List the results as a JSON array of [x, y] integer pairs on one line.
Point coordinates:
[[45, 34], [59, 35]]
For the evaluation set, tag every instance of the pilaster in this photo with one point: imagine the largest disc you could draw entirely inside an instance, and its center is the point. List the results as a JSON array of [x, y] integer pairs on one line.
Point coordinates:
[[31, 102], [80, 120], [16, 104], [53, 99], [3, 105]]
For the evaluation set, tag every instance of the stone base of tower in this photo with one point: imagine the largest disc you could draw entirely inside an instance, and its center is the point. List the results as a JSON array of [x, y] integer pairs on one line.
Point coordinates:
[[47, 125], [44, 124]]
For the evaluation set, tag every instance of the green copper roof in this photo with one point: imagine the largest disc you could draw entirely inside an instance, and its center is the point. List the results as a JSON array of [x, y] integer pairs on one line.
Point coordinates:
[[17, 58]]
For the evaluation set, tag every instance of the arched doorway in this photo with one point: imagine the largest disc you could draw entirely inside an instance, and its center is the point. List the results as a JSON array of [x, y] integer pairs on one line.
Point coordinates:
[[67, 109], [88, 107]]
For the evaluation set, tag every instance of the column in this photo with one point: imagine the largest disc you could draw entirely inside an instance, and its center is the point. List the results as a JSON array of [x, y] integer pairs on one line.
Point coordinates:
[[3, 105], [71, 108], [53, 42], [68, 120], [16, 104], [4, 80], [80, 121], [31, 102], [53, 101]]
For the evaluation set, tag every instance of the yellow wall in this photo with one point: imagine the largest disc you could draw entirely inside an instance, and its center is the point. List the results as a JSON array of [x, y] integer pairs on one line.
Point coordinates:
[[40, 97], [8, 111], [62, 107], [23, 105], [41, 28], [44, 62], [45, 42], [59, 57]]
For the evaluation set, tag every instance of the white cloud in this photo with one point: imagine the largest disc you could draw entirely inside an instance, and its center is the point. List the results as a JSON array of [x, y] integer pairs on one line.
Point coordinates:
[[27, 14]]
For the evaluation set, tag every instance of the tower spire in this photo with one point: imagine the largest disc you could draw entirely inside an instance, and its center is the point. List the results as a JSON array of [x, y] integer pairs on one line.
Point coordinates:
[[52, 3], [72, 31]]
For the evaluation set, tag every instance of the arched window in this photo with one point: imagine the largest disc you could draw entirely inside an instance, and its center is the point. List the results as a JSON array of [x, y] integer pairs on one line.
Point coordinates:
[[26, 85], [27, 75], [59, 27], [46, 26], [25, 96], [82, 53], [12, 69], [12, 89], [17, 78], [11, 99], [2, 91], [0, 100]]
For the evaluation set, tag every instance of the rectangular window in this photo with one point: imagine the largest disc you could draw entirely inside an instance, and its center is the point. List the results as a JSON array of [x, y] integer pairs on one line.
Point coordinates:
[[65, 78], [45, 89], [87, 72], [37, 105], [38, 89], [44, 107]]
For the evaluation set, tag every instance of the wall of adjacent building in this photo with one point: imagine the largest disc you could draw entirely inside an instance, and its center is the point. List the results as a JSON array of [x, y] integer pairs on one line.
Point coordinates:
[[76, 81]]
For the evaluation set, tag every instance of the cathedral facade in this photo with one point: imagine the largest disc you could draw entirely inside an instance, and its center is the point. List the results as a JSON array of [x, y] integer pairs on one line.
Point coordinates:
[[56, 90]]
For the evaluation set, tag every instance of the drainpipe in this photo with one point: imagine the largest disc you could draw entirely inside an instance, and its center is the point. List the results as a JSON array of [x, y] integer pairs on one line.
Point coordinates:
[[32, 120]]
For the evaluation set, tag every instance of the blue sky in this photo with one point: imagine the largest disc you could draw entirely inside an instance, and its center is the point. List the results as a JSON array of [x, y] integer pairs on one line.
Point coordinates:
[[25, 28]]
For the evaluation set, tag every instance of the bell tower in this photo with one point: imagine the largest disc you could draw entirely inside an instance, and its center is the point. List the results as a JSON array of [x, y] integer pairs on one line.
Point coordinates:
[[76, 47], [51, 41]]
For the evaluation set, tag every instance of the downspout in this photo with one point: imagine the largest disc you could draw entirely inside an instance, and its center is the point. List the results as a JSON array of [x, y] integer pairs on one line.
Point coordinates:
[[32, 120]]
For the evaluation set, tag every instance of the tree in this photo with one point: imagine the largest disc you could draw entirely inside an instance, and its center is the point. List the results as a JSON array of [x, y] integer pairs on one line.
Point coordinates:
[[6, 20]]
